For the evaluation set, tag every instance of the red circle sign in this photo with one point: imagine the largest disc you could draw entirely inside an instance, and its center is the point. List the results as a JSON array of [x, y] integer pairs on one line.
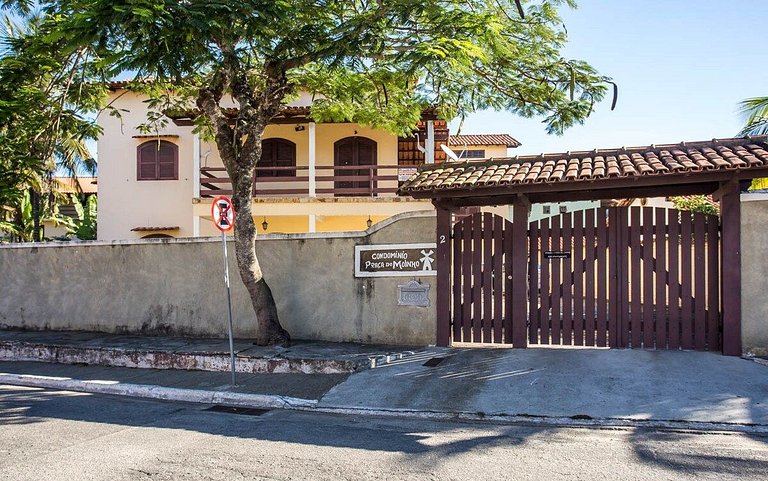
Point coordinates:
[[223, 213]]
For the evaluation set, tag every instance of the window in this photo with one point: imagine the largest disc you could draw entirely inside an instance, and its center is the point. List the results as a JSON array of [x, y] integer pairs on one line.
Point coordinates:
[[277, 153], [157, 160], [472, 154]]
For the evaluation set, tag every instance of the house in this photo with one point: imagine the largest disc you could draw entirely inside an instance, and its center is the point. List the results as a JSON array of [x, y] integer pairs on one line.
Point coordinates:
[[313, 177]]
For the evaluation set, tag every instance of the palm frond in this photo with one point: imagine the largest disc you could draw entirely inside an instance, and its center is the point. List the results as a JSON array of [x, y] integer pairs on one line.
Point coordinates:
[[754, 111]]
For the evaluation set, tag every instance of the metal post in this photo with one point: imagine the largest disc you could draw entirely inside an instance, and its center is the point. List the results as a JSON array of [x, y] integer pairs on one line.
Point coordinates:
[[229, 305]]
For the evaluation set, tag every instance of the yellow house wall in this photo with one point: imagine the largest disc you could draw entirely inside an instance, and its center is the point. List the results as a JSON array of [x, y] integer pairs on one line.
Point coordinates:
[[124, 202]]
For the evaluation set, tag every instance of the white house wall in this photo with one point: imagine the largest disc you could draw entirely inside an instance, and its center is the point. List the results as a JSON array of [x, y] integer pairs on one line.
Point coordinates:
[[126, 203]]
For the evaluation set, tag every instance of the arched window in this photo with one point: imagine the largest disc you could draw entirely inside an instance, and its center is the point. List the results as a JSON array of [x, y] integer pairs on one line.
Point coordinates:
[[157, 160], [157, 236], [277, 153]]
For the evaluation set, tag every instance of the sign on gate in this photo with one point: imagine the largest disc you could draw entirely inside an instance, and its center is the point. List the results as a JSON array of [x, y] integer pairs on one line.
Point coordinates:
[[392, 260]]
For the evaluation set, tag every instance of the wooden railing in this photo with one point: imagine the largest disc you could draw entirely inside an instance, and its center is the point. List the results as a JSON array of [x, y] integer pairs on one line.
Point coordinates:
[[330, 181]]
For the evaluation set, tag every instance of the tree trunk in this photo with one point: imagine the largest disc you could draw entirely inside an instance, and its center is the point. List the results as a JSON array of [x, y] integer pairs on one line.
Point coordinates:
[[269, 330], [34, 199], [240, 149]]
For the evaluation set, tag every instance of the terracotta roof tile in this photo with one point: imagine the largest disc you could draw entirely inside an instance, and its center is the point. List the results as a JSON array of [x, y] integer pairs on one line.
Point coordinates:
[[483, 139], [596, 165]]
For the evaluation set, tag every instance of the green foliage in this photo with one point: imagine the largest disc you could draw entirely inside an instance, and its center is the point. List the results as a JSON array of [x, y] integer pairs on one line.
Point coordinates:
[[697, 203], [378, 63], [755, 113], [46, 96], [84, 226]]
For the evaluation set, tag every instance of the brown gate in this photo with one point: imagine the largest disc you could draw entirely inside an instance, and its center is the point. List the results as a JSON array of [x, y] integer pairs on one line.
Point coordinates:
[[482, 266], [619, 277]]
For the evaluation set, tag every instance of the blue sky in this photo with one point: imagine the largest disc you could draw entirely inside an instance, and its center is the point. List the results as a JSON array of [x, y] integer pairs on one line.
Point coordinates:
[[681, 65]]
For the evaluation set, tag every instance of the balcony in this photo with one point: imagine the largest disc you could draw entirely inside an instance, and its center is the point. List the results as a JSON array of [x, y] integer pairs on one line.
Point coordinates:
[[299, 181]]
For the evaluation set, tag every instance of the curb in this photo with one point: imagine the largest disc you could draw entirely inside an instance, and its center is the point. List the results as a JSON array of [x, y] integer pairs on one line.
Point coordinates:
[[267, 401], [159, 392], [553, 421], [199, 361]]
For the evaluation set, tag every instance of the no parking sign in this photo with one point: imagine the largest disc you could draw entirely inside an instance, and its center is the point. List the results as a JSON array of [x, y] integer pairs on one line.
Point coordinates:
[[223, 213]]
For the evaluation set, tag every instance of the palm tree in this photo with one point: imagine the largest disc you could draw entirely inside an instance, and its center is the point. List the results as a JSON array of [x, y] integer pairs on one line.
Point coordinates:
[[755, 112], [43, 130]]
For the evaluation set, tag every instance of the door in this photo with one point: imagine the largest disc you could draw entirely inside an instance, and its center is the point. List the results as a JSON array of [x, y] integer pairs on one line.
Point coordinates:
[[354, 152]]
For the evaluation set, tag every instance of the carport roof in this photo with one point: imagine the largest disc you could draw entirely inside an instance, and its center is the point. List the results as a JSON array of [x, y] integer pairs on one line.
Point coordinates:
[[669, 169]]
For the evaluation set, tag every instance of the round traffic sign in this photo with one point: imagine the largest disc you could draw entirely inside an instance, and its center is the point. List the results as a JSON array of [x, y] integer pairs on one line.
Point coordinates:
[[223, 213]]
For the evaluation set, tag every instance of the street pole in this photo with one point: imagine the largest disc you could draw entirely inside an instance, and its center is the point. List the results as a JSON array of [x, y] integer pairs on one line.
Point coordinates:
[[229, 305]]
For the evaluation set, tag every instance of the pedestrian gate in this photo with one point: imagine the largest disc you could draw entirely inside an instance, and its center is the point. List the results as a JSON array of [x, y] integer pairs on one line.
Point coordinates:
[[612, 276]]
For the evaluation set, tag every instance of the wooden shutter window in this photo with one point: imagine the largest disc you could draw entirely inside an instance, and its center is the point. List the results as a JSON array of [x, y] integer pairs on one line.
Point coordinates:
[[157, 160], [277, 153]]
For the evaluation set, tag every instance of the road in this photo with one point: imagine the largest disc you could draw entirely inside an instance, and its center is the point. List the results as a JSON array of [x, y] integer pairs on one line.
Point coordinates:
[[55, 435]]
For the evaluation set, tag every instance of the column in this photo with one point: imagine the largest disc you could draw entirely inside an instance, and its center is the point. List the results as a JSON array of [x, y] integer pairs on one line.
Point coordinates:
[[312, 162], [430, 143]]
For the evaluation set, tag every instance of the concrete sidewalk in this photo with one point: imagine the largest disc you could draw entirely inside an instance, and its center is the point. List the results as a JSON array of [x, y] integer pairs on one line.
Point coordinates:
[[553, 385]]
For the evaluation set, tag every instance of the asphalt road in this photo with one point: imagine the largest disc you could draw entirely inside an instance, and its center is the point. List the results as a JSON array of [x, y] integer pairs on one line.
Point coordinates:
[[72, 436]]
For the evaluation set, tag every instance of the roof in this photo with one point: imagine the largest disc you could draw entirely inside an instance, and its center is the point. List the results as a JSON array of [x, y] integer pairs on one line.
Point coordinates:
[[287, 114], [67, 185], [483, 139], [654, 165]]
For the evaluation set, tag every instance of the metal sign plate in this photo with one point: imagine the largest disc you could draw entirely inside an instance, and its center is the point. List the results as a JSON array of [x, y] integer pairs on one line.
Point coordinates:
[[393, 260]]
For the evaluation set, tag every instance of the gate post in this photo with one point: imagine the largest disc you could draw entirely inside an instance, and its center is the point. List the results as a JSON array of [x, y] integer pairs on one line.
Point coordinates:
[[520, 272], [730, 283], [443, 263]]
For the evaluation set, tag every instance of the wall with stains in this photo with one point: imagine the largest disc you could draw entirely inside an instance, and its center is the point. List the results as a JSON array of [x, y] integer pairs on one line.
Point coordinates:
[[175, 287], [754, 274]]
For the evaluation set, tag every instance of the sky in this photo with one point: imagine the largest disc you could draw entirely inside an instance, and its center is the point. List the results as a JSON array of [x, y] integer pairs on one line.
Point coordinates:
[[682, 66]]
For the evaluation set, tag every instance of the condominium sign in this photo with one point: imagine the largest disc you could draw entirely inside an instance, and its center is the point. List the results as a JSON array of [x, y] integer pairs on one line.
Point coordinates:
[[391, 260]]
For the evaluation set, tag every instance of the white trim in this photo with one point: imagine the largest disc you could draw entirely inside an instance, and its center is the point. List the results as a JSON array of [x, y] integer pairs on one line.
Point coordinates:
[[750, 196], [312, 160], [361, 248], [312, 223], [195, 226], [196, 167], [430, 143], [191, 240]]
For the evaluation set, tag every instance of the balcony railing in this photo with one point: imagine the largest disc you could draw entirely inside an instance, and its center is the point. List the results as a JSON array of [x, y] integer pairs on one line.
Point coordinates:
[[330, 181]]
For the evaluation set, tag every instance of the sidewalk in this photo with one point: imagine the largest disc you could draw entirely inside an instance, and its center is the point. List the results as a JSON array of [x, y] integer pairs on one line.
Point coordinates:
[[676, 389]]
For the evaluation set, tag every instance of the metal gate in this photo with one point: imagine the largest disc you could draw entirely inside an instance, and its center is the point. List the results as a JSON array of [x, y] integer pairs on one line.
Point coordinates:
[[619, 277]]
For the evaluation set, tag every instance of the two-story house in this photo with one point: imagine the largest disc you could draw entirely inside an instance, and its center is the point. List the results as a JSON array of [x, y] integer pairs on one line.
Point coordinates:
[[313, 177]]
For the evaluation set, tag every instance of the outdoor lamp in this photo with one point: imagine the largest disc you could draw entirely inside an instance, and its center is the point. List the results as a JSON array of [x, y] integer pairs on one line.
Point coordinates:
[[265, 224], [369, 222]]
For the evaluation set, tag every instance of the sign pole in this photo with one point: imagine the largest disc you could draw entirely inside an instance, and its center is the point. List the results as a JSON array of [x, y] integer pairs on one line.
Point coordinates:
[[223, 214], [229, 305]]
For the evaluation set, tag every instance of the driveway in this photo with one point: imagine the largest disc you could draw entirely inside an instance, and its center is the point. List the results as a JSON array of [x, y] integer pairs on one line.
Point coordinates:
[[565, 382]]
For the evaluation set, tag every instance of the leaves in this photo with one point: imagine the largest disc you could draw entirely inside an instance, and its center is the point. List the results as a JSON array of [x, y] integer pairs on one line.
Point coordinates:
[[755, 112], [45, 120]]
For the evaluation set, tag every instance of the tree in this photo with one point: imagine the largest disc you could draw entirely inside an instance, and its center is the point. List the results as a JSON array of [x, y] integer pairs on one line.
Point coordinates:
[[697, 203], [755, 112], [45, 96], [375, 62]]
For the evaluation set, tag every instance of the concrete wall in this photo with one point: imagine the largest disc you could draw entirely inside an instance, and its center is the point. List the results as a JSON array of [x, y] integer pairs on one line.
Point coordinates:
[[175, 287], [754, 274]]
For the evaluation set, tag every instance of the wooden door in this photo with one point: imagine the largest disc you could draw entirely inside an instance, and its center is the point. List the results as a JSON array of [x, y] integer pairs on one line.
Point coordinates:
[[353, 152]]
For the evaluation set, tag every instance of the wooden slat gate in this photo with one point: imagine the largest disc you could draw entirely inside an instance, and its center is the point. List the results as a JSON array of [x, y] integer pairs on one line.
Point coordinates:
[[618, 277]]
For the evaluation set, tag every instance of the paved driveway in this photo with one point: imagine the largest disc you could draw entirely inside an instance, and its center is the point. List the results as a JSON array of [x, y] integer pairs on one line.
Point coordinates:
[[599, 383]]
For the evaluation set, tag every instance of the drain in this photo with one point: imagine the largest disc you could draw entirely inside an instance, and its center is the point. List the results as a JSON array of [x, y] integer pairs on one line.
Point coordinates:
[[236, 410], [433, 361]]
